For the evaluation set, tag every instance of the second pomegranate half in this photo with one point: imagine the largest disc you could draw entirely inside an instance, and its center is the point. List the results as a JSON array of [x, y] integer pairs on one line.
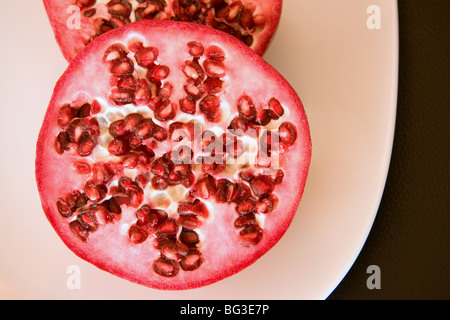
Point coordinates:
[[172, 155], [78, 22]]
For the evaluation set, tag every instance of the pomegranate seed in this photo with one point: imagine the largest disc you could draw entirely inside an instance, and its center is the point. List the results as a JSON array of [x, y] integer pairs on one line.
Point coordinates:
[[234, 12], [62, 142], [166, 268], [94, 192], [79, 231], [180, 249], [246, 20], [72, 199], [214, 68], [251, 235], [239, 126], [245, 220], [137, 235], [144, 130], [135, 46], [160, 168], [143, 213], [196, 207], [65, 116], [212, 85], [76, 129], [115, 52], [119, 8], [288, 133], [102, 172], [134, 141], [90, 13], [160, 183], [119, 147], [226, 190], [145, 57], [268, 204], [132, 120], [188, 180], [213, 52], [87, 221], [195, 49], [122, 96], [85, 3], [191, 262], [142, 92], [127, 83], [247, 175], [193, 70], [122, 67], [161, 216], [84, 111], [246, 206], [158, 72], [243, 193], [101, 214], [135, 196], [189, 237], [82, 167], [210, 106], [166, 91], [113, 205], [261, 186], [168, 228], [262, 117], [63, 208], [246, 107], [193, 90], [276, 177], [177, 131], [169, 250], [95, 107], [166, 111], [86, 145], [188, 105], [117, 128], [275, 109], [142, 181], [204, 187], [159, 133]]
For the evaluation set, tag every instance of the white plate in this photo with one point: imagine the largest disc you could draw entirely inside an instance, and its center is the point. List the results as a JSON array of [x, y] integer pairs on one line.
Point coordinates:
[[346, 75]]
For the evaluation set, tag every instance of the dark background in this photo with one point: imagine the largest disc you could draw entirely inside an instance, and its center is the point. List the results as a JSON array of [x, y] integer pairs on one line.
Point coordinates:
[[410, 239]]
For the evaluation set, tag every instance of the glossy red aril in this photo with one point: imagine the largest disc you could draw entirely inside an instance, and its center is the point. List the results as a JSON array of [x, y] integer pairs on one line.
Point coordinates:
[[77, 23], [140, 186]]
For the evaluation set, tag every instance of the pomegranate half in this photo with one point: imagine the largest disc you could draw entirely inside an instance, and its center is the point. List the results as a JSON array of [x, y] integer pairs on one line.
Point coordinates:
[[78, 22], [171, 155]]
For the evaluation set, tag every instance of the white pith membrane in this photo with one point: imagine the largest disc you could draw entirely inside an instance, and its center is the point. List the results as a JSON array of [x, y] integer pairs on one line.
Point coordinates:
[[219, 246], [251, 21]]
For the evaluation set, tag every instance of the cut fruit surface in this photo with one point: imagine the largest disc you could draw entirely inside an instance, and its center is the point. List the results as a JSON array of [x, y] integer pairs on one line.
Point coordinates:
[[77, 22], [152, 162]]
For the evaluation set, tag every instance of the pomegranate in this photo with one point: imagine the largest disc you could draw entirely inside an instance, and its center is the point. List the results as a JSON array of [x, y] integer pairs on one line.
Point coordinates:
[[152, 163], [77, 22]]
